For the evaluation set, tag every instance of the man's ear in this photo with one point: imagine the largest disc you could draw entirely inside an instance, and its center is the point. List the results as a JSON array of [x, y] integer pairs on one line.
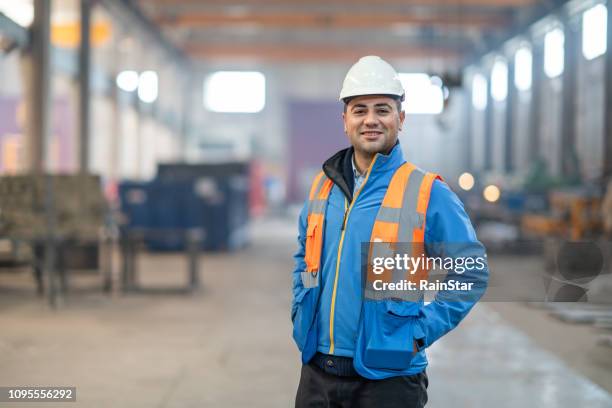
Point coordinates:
[[402, 116], [344, 121]]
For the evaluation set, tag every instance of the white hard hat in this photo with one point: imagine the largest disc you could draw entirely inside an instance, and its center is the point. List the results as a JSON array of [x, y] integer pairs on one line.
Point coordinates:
[[371, 75]]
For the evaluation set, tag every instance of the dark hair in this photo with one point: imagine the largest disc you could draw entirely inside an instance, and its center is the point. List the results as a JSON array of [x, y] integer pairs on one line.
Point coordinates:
[[397, 99]]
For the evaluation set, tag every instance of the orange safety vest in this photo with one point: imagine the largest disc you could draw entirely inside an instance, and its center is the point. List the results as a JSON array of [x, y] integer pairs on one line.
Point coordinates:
[[400, 219]]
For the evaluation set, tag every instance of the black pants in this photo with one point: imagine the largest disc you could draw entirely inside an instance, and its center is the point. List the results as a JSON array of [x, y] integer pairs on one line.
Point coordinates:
[[320, 389]]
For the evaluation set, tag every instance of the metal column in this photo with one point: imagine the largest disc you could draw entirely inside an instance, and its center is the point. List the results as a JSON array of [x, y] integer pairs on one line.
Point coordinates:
[[536, 100], [568, 117], [488, 136], [39, 67], [38, 64], [186, 112], [607, 150], [509, 125], [84, 86]]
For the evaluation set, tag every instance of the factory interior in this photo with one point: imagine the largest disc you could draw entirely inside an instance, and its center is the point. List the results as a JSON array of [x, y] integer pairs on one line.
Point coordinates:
[[155, 156]]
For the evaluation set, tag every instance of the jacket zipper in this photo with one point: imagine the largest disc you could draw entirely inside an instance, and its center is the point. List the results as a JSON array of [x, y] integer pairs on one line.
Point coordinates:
[[347, 212]]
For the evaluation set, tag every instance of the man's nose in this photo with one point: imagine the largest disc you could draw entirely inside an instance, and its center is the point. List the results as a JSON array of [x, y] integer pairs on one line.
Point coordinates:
[[371, 119]]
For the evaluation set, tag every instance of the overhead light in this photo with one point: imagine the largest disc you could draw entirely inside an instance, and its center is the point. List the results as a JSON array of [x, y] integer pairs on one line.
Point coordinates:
[[554, 52], [499, 80], [594, 31], [523, 67], [466, 181], [423, 93], [479, 92], [127, 81], [491, 193], [235, 91], [21, 12], [148, 86]]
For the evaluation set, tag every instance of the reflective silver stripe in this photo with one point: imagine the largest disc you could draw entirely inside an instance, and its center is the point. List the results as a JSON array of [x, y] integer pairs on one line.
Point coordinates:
[[310, 279], [313, 205], [316, 206], [388, 214], [409, 218]]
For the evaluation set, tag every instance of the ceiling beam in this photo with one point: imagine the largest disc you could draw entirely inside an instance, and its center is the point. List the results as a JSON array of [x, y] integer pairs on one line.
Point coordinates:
[[481, 3], [292, 53], [344, 20]]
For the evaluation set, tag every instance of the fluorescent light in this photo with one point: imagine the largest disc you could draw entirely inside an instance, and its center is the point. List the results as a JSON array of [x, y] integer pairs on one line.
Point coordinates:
[[21, 11], [148, 86], [554, 53], [479, 92], [499, 80], [235, 91], [127, 80], [423, 94], [523, 66], [594, 31]]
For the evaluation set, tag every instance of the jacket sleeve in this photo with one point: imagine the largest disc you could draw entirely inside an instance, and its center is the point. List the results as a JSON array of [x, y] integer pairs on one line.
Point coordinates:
[[449, 234], [298, 257]]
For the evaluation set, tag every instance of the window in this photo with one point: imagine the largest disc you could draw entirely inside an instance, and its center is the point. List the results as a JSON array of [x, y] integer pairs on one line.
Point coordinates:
[[127, 81], [479, 92], [554, 53], [147, 86], [423, 94], [499, 80], [235, 91], [594, 31], [523, 66]]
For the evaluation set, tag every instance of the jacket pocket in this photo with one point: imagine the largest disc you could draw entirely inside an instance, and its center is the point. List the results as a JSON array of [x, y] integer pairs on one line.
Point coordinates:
[[313, 245], [303, 315], [389, 334]]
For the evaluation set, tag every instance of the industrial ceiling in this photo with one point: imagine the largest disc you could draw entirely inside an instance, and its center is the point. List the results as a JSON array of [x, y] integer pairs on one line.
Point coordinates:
[[339, 30]]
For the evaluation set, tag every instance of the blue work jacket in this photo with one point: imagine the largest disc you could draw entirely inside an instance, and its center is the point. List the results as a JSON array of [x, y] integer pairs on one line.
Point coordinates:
[[332, 318]]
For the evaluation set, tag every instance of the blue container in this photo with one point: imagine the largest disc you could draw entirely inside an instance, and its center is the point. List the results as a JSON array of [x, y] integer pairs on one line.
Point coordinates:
[[134, 198], [212, 197]]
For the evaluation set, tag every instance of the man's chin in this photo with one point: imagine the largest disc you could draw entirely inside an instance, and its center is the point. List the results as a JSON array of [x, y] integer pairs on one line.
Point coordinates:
[[373, 148]]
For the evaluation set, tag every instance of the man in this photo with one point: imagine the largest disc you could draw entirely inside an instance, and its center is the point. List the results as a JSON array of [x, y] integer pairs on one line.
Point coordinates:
[[360, 348]]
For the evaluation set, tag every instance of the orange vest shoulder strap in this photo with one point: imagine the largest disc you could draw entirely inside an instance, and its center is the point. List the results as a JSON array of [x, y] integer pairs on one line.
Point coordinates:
[[317, 204]]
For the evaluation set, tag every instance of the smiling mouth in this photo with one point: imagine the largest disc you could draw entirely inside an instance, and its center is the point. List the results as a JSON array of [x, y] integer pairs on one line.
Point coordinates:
[[371, 134]]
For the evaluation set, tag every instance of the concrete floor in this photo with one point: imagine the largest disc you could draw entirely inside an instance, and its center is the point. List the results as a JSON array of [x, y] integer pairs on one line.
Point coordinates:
[[229, 345]]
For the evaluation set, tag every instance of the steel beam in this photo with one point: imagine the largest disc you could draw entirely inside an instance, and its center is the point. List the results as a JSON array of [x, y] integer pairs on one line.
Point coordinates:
[[288, 53], [333, 20], [382, 3], [133, 15]]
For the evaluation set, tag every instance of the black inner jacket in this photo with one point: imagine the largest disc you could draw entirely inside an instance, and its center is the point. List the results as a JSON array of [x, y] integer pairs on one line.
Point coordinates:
[[339, 169]]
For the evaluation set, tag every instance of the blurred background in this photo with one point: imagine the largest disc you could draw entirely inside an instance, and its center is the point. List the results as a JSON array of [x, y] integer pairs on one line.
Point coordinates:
[[155, 154]]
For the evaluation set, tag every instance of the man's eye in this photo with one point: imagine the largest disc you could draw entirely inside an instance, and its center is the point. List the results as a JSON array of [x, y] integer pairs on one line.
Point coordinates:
[[383, 111], [358, 112]]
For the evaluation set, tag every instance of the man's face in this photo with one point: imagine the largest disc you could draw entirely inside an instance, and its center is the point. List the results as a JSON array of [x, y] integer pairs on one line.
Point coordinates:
[[372, 123]]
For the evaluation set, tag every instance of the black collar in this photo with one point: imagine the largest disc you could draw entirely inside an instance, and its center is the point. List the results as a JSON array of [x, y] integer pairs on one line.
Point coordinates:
[[339, 169]]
